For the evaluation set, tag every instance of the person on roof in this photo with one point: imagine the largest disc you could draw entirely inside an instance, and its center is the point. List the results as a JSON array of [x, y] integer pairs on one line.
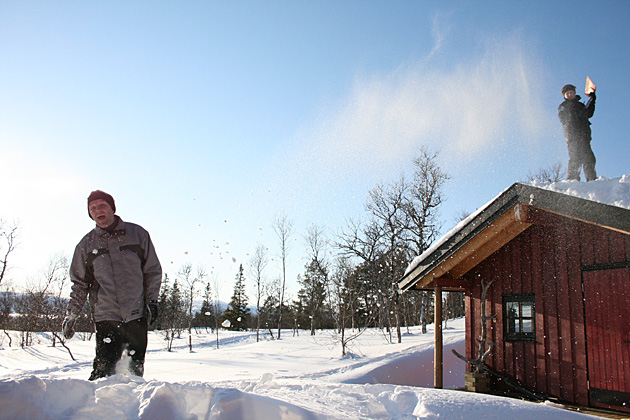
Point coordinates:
[[574, 116]]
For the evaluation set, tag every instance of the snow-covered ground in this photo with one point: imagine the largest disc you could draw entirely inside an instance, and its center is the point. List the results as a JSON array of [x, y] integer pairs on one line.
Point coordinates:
[[295, 378]]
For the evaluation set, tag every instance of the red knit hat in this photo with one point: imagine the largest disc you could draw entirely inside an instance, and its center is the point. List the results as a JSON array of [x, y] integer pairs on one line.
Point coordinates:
[[101, 195]]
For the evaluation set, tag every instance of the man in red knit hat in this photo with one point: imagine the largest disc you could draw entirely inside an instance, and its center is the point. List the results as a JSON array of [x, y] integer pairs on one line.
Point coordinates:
[[116, 265]]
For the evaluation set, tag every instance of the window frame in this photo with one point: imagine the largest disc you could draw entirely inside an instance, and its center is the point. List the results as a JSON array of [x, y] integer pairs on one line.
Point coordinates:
[[512, 334]]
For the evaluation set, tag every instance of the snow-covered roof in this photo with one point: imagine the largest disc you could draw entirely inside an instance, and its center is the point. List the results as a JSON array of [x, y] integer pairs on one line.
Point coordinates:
[[607, 195], [611, 191]]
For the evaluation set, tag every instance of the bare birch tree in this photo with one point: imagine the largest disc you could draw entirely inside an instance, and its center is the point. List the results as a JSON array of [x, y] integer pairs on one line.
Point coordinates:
[[257, 266], [8, 238], [554, 173], [421, 209], [283, 228], [386, 205], [315, 281], [218, 310], [190, 281], [40, 306], [424, 198], [361, 240]]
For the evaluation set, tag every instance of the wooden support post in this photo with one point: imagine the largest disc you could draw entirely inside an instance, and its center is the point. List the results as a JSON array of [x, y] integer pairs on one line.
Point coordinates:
[[438, 379]]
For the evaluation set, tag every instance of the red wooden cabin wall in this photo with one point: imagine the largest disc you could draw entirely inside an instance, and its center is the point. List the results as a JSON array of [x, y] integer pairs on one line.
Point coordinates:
[[545, 260]]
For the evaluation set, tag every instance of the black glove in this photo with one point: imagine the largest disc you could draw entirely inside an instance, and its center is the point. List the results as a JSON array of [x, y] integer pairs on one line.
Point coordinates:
[[68, 326], [592, 95], [153, 313]]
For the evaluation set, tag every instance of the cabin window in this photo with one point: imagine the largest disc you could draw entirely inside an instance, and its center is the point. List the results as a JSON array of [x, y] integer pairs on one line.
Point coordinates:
[[519, 317]]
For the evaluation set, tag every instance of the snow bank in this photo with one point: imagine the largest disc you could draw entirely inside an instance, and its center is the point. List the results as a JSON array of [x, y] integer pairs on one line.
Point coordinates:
[[413, 367], [124, 398], [296, 378], [121, 397]]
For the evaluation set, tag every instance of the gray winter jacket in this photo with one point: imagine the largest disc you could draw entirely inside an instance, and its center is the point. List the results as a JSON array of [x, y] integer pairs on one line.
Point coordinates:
[[120, 271]]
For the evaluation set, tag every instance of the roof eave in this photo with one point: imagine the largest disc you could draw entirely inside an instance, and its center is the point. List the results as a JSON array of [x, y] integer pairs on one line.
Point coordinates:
[[604, 215]]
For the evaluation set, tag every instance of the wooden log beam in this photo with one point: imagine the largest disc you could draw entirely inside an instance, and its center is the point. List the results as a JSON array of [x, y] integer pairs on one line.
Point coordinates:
[[449, 284], [438, 379]]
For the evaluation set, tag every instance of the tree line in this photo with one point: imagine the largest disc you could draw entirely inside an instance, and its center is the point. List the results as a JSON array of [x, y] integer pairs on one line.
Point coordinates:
[[348, 284]]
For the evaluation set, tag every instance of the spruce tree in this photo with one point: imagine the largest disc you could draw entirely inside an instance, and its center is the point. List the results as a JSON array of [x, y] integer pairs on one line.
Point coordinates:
[[312, 296], [173, 316], [204, 318], [237, 311], [165, 291]]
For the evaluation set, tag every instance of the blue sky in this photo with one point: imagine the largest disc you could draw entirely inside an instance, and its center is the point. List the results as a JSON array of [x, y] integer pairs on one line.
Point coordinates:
[[207, 119]]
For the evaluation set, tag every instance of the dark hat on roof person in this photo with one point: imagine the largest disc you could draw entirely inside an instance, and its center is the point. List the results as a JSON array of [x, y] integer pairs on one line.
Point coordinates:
[[567, 88], [101, 195]]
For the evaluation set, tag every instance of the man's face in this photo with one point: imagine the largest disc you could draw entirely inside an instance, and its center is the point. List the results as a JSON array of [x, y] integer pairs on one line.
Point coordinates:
[[101, 212], [569, 94]]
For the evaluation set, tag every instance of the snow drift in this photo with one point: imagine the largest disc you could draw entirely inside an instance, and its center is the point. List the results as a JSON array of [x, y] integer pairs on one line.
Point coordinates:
[[296, 378]]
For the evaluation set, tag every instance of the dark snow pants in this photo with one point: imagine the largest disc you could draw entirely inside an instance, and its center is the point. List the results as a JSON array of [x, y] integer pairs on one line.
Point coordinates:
[[112, 338], [581, 156]]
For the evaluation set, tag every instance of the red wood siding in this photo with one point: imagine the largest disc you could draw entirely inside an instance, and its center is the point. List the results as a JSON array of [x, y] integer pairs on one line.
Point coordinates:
[[607, 293], [547, 261]]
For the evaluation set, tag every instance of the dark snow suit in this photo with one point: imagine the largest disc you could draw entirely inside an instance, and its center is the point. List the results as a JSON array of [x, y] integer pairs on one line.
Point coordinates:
[[119, 269], [574, 116]]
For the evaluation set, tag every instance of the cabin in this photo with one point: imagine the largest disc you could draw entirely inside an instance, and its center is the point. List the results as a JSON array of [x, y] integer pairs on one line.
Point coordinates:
[[558, 301]]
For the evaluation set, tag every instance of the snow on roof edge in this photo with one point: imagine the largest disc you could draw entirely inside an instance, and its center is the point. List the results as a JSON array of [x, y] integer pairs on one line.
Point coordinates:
[[611, 191]]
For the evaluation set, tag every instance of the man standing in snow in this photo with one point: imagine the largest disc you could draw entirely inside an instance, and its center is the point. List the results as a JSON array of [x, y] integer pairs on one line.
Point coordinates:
[[574, 116], [116, 265]]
